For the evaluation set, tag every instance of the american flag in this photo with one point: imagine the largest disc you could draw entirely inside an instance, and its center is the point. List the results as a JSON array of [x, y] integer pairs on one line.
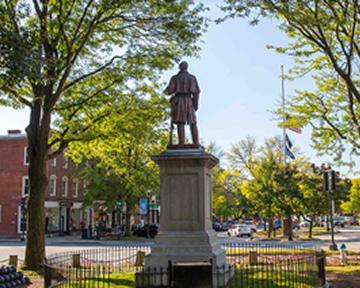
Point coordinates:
[[296, 130]]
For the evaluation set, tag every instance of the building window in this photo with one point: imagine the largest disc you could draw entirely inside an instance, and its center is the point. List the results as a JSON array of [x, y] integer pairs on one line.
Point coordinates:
[[53, 185], [75, 188], [25, 186], [64, 186], [65, 161], [26, 156], [53, 162]]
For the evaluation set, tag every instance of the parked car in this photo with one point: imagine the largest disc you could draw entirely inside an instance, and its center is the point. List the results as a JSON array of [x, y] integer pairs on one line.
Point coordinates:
[[227, 225], [217, 226], [295, 226], [350, 220], [239, 230], [277, 224], [339, 221], [251, 224], [142, 231], [304, 223]]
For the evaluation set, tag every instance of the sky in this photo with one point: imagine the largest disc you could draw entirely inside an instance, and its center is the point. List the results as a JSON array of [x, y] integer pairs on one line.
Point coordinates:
[[239, 82]]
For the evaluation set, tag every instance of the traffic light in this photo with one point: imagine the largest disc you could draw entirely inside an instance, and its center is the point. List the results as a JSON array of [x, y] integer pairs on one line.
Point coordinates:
[[333, 180], [119, 204], [325, 181], [330, 178]]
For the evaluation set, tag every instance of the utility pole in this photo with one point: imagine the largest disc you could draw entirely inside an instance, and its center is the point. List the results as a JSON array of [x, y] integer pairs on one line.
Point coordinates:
[[148, 215], [287, 229], [283, 110]]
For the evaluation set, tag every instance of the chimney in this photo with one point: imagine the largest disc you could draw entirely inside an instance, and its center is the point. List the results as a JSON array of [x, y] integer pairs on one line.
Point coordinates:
[[14, 132]]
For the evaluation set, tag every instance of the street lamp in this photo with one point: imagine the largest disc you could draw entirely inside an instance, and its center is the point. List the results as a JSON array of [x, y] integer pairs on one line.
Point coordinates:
[[23, 218], [148, 215], [329, 185]]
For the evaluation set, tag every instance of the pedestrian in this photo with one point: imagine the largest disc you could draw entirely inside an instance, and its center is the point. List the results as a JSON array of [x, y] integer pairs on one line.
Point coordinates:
[[343, 254]]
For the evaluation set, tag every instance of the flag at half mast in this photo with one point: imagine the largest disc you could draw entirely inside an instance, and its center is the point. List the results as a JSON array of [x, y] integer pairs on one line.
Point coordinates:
[[296, 130]]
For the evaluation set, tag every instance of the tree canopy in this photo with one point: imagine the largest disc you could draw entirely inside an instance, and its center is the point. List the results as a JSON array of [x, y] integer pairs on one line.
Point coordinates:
[[353, 203], [324, 42], [72, 63]]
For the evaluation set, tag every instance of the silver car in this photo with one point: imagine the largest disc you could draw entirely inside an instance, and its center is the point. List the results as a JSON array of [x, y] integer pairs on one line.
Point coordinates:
[[239, 230]]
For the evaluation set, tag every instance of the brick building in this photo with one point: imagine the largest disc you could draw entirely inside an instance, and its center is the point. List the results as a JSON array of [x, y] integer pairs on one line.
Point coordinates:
[[64, 194]]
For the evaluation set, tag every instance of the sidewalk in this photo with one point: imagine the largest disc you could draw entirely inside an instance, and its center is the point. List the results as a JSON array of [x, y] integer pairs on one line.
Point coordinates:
[[76, 241]]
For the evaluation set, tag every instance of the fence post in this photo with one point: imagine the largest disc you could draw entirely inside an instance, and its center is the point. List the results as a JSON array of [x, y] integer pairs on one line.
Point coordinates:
[[13, 260], [140, 257], [253, 259], [47, 275], [321, 260], [76, 260]]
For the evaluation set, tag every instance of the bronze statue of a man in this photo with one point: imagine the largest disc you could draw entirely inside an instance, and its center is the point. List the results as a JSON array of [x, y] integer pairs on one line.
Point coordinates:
[[184, 102]]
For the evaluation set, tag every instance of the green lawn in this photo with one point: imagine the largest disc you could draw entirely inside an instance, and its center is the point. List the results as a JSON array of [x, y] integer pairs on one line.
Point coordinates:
[[275, 279], [242, 278], [347, 269], [267, 251], [122, 280]]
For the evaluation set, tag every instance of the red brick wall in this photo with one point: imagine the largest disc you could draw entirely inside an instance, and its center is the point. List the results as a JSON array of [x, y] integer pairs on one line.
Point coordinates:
[[12, 169]]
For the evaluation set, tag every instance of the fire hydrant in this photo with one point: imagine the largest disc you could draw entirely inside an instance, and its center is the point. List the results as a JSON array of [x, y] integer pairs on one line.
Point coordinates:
[[343, 253]]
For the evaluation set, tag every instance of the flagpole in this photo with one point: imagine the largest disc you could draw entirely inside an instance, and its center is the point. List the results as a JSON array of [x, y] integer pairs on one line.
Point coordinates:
[[283, 108]]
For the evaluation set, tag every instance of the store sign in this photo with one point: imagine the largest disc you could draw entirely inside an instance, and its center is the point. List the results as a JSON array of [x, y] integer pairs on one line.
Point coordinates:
[[154, 206], [143, 205]]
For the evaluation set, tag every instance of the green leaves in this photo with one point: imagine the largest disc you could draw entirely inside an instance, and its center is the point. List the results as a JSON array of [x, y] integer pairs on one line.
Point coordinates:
[[121, 165], [324, 42], [352, 205]]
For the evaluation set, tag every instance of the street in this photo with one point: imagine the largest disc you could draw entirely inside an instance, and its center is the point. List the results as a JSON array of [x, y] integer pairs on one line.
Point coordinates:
[[348, 235]]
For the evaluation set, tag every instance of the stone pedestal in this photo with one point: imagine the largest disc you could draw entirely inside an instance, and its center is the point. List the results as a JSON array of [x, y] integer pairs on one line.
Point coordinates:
[[186, 233]]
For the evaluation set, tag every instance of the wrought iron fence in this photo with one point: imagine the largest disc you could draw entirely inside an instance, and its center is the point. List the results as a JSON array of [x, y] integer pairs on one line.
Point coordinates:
[[249, 265]]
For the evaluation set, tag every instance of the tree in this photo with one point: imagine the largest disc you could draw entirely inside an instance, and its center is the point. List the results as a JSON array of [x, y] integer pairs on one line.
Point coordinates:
[[120, 164], [259, 166], [353, 203], [272, 187], [262, 189], [78, 60], [228, 199], [325, 41], [314, 201], [242, 156]]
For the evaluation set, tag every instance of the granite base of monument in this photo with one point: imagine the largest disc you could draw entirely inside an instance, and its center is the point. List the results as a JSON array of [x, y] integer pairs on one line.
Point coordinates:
[[186, 234]]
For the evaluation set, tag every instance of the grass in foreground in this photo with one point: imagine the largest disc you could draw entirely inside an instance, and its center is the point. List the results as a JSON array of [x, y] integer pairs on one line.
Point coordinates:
[[122, 280], [242, 278], [346, 269], [274, 279], [267, 251]]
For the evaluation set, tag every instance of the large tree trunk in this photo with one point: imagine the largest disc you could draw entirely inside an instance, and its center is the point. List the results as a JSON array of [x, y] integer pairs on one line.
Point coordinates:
[[37, 135]]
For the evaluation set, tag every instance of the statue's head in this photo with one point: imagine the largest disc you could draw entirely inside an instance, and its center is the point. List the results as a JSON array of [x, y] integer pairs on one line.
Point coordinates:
[[183, 66]]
